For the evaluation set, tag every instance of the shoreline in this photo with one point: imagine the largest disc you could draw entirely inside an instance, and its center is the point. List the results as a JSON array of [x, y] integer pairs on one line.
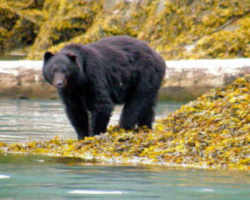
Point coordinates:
[[184, 79]]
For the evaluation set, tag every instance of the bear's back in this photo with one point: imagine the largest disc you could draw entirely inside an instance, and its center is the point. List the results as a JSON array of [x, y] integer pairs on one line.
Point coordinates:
[[122, 43]]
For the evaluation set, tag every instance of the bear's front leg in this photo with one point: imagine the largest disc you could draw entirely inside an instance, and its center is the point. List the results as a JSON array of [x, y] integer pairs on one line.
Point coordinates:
[[77, 114], [100, 118], [79, 120]]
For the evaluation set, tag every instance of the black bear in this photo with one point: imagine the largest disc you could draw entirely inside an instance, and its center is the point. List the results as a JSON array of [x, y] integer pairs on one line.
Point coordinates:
[[92, 78]]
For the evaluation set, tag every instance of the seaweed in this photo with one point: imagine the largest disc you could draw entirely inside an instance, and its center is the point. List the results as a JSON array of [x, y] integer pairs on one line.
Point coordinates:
[[177, 29]]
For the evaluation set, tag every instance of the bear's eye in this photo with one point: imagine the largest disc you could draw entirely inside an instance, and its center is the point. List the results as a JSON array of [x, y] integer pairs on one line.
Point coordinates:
[[58, 69], [53, 70], [63, 70]]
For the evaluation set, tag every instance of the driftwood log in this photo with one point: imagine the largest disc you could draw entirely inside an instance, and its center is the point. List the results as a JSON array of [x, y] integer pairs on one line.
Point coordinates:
[[184, 80]]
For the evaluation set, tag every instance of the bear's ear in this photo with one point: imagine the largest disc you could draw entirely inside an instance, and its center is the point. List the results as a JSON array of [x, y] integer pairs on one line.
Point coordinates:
[[47, 56], [71, 56]]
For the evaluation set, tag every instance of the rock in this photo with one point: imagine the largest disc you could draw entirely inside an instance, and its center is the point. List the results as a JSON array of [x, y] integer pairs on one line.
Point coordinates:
[[184, 79], [188, 79], [23, 79]]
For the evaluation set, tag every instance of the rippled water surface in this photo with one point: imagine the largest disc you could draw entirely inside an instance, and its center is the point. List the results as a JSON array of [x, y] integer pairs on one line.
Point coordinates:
[[32, 177], [23, 120]]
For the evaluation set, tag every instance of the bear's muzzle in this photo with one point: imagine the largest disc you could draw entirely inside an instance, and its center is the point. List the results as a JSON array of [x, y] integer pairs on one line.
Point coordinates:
[[60, 80]]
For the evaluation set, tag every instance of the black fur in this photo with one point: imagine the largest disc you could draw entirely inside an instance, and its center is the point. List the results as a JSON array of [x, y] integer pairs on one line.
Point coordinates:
[[114, 70]]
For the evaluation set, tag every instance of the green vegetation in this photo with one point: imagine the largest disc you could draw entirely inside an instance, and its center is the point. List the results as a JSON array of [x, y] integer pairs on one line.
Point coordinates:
[[210, 132], [176, 28]]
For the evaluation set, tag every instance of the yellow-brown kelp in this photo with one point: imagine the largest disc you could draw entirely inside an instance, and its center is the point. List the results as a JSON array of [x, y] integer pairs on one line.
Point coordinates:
[[210, 132], [178, 29]]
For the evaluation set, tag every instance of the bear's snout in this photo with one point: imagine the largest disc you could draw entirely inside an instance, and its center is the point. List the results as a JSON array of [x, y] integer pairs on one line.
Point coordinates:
[[59, 80]]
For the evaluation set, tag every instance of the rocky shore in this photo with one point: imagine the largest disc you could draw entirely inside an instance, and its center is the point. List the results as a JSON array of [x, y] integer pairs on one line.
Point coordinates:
[[184, 80]]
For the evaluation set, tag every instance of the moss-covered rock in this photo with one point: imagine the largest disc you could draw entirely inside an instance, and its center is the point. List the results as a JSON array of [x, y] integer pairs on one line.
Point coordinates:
[[234, 41], [65, 20], [210, 132], [7, 21], [19, 26], [182, 24], [177, 29]]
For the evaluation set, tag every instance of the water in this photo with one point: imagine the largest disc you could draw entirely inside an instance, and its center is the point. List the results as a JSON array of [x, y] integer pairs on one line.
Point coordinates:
[[47, 178], [24, 120], [39, 177]]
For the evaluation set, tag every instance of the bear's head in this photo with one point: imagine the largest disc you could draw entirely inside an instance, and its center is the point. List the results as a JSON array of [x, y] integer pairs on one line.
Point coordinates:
[[59, 69]]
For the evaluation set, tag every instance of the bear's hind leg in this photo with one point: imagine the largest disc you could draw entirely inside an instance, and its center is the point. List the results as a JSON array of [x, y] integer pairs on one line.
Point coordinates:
[[146, 116], [137, 111], [100, 119], [129, 115]]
